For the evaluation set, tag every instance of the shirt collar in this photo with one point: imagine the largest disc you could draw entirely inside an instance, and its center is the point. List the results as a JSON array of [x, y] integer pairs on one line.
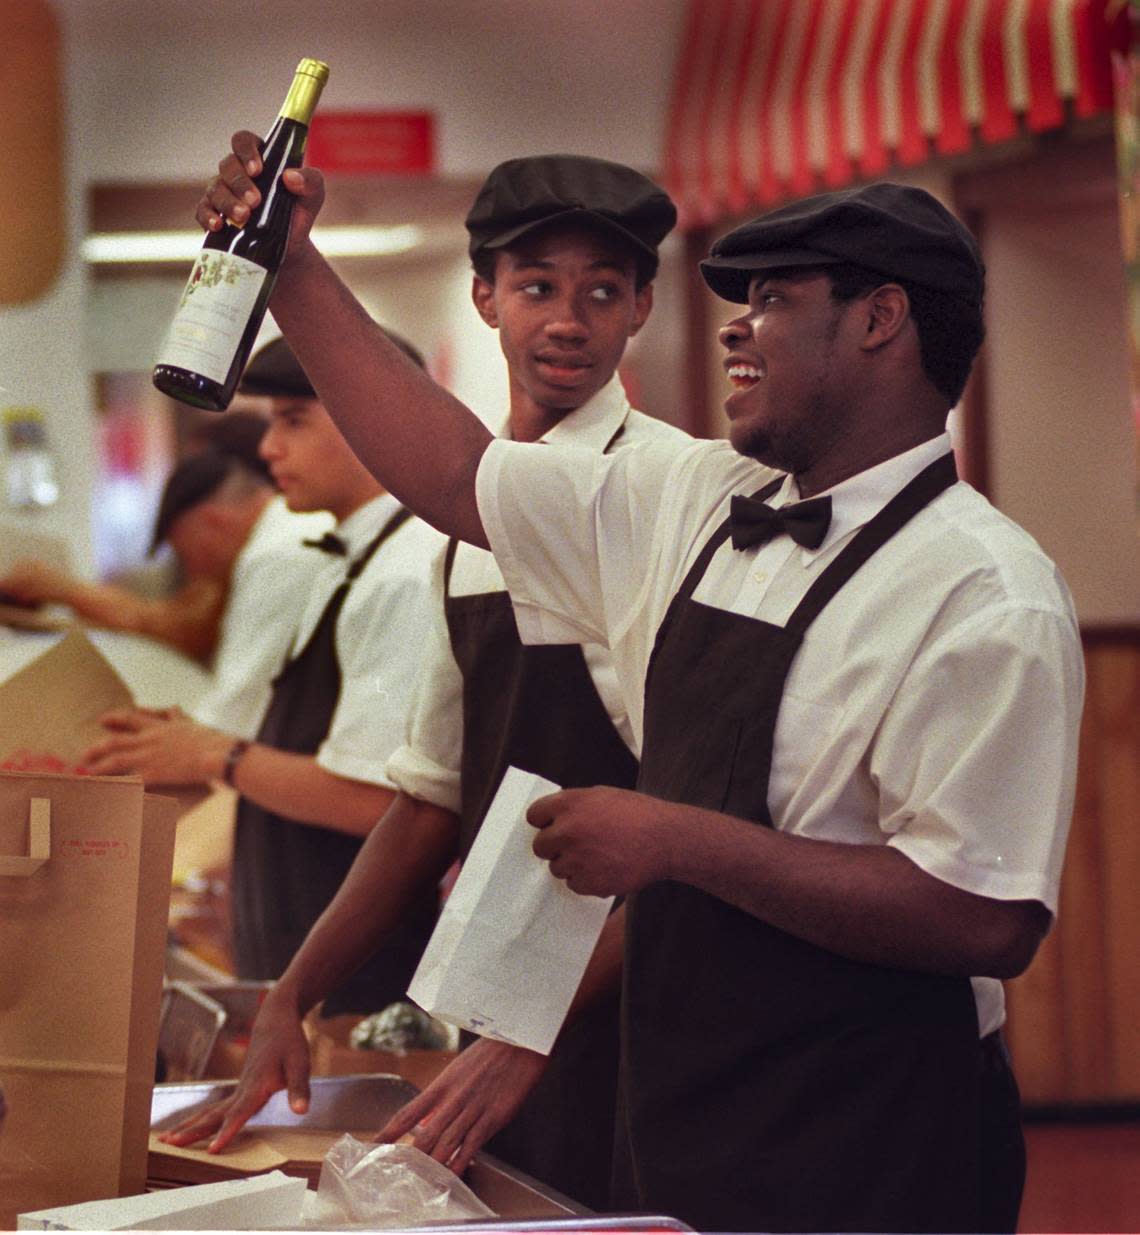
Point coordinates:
[[364, 522], [859, 498], [593, 425]]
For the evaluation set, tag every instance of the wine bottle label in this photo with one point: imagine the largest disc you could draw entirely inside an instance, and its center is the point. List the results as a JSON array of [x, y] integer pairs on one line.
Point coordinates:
[[215, 309]]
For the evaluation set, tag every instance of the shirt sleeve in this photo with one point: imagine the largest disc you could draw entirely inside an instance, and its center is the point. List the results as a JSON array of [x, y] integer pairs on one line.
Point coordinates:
[[379, 660], [427, 764], [570, 532], [976, 757]]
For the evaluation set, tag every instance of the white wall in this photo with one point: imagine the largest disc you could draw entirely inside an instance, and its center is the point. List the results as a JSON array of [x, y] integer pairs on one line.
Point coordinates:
[[430, 303], [160, 84]]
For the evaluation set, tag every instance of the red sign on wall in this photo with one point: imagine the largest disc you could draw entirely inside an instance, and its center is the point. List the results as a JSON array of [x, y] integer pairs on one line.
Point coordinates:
[[371, 142]]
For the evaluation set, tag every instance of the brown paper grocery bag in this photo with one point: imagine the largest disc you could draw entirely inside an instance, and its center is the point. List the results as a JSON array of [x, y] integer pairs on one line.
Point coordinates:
[[84, 894]]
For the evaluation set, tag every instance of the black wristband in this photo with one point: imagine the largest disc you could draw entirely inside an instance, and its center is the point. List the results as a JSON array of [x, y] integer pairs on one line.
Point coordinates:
[[233, 756]]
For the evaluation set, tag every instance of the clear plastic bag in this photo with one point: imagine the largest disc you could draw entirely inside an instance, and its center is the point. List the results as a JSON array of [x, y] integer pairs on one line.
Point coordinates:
[[388, 1186]]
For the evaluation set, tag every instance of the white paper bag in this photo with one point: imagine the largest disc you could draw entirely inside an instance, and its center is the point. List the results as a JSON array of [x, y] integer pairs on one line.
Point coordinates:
[[512, 942]]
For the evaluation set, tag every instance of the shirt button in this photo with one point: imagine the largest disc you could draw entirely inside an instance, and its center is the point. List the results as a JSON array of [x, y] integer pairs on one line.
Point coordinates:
[[760, 577]]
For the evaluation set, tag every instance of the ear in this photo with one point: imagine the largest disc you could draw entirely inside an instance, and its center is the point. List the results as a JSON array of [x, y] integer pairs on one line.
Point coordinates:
[[887, 313], [483, 297], [642, 307]]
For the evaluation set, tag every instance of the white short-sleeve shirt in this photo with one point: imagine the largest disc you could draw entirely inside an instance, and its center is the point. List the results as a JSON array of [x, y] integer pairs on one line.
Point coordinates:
[[934, 704], [427, 765], [269, 585], [379, 637]]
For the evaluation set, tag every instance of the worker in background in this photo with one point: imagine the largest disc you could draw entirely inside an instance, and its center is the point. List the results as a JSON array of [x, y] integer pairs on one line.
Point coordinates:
[[313, 784]]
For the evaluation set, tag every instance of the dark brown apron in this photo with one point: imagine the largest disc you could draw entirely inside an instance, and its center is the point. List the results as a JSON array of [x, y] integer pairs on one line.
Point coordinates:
[[536, 708], [768, 1084], [285, 873]]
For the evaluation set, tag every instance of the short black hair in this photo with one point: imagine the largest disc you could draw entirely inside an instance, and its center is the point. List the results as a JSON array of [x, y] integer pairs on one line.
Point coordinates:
[[196, 479], [950, 329], [238, 434], [275, 371]]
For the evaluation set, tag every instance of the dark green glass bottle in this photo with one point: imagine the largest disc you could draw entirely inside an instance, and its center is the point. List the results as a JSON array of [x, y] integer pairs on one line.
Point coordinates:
[[224, 301]]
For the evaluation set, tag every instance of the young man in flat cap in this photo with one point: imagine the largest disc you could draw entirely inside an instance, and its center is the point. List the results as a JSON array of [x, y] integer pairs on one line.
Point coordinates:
[[859, 719], [312, 784], [564, 250]]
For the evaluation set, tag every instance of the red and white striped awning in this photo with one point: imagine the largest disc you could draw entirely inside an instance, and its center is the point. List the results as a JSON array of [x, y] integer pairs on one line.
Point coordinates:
[[781, 98]]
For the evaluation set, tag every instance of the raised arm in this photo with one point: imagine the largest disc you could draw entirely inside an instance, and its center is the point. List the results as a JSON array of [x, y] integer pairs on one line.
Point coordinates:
[[420, 442]]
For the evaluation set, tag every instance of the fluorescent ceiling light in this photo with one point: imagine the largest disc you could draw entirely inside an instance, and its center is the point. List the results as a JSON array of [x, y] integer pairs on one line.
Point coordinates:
[[103, 248]]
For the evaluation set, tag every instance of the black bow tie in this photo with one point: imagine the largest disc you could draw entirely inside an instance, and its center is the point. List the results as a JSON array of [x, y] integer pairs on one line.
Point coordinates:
[[330, 542], [754, 522]]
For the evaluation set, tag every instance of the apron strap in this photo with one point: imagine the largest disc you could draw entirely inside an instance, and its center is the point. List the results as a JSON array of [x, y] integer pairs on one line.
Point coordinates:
[[394, 523], [331, 612], [614, 440], [922, 490], [448, 564]]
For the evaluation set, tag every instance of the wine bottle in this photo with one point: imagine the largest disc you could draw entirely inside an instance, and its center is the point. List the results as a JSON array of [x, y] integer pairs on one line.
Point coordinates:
[[224, 301]]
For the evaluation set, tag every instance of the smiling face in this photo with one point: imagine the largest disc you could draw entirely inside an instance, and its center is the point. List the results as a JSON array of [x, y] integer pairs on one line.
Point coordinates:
[[565, 302], [311, 463], [788, 360]]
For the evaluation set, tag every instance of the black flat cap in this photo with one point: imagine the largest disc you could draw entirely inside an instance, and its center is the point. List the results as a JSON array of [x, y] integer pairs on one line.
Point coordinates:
[[521, 195], [192, 482], [275, 371], [894, 230]]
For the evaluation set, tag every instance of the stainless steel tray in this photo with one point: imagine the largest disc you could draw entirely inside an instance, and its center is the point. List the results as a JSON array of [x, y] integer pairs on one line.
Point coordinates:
[[188, 1027], [368, 1101], [336, 1102], [241, 1000]]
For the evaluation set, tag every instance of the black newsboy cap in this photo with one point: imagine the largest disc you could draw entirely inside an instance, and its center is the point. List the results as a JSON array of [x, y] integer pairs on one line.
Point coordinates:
[[275, 371], [894, 230], [521, 195]]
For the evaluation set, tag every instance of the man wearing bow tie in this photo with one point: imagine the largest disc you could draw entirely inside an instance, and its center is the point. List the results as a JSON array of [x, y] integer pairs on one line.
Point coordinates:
[[858, 719], [312, 783]]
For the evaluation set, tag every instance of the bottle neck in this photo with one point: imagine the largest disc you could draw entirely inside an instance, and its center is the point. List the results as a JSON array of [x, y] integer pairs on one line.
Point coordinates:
[[301, 101]]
